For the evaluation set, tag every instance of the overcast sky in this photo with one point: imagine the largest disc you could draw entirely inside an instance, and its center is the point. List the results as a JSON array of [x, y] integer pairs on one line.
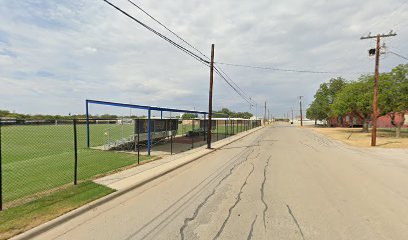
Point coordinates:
[[55, 54]]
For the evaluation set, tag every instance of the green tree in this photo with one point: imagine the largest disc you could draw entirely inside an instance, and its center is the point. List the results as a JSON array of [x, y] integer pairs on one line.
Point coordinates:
[[356, 99], [4, 113], [394, 96], [225, 111], [314, 112], [188, 116], [324, 98]]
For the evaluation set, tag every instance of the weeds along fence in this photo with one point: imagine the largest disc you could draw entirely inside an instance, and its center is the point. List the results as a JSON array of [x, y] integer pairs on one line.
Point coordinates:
[[39, 157]]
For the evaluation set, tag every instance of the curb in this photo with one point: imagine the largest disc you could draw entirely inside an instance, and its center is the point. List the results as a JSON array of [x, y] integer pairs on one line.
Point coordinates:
[[29, 234]]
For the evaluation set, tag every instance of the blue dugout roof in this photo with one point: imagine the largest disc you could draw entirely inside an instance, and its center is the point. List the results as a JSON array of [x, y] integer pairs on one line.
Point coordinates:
[[143, 107]]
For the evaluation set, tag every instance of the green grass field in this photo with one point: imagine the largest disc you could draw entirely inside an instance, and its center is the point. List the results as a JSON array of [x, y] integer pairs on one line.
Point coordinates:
[[24, 217], [37, 159]]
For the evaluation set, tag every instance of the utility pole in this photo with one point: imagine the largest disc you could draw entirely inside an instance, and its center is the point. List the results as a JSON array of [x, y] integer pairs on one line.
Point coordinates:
[[256, 111], [265, 114], [376, 77], [301, 115], [292, 115], [210, 98], [269, 116]]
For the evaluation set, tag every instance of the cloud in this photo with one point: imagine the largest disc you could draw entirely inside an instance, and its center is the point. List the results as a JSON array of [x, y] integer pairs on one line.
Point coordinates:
[[56, 54]]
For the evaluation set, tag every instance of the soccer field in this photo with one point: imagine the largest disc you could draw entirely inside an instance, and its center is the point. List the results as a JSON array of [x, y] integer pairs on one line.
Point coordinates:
[[40, 158]]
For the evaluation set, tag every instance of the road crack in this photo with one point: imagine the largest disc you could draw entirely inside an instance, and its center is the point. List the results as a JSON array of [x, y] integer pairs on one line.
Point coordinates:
[[263, 193], [309, 146], [195, 214], [296, 222], [235, 204], [252, 229]]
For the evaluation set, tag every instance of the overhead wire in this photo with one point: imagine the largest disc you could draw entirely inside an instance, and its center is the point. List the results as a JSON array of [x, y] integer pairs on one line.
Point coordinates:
[[168, 29], [384, 20], [235, 84], [159, 34], [398, 55], [286, 69], [224, 76], [220, 74]]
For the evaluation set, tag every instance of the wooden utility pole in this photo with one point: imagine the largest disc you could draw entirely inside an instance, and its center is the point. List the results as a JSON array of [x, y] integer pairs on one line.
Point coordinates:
[[210, 98], [265, 114], [376, 77], [301, 115], [292, 115]]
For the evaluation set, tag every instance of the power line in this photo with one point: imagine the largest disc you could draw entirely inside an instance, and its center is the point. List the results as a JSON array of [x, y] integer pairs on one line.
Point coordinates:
[[168, 29], [220, 74], [235, 84], [190, 45], [286, 69], [205, 62], [386, 18], [230, 84], [159, 34], [399, 55]]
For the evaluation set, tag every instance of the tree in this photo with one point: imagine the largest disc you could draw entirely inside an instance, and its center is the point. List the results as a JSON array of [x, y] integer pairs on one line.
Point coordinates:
[[226, 111], [188, 116], [314, 112], [356, 98], [394, 98], [4, 113], [324, 98]]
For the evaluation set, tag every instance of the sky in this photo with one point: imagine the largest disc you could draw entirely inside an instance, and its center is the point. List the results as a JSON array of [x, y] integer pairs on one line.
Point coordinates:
[[55, 54]]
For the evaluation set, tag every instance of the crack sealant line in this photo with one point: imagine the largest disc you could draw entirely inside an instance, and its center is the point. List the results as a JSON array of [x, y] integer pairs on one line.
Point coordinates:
[[195, 214], [252, 229], [225, 167], [263, 193], [235, 204], [296, 222]]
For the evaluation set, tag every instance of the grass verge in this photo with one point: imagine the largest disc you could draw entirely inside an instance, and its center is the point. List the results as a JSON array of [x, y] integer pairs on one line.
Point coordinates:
[[24, 217], [355, 137]]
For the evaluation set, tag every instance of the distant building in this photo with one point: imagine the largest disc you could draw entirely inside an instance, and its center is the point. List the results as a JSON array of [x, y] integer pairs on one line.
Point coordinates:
[[351, 120]]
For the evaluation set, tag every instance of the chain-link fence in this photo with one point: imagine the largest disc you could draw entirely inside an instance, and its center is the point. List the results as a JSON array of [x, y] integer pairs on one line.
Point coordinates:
[[38, 157]]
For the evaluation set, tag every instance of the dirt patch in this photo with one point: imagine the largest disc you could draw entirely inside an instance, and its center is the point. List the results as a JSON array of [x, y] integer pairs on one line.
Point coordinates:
[[355, 137]]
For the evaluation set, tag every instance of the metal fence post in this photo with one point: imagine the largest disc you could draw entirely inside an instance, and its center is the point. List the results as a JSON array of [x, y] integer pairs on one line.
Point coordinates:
[[1, 172], [225, 128], [205, 121], [171, 143], [75, 152], [192, 134], [148, 132], [216, 125], [88, 140], [138, 141], [171, 134]]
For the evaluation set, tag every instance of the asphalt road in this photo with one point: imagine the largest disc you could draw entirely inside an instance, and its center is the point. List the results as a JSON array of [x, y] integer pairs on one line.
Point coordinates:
[[280, 182]]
